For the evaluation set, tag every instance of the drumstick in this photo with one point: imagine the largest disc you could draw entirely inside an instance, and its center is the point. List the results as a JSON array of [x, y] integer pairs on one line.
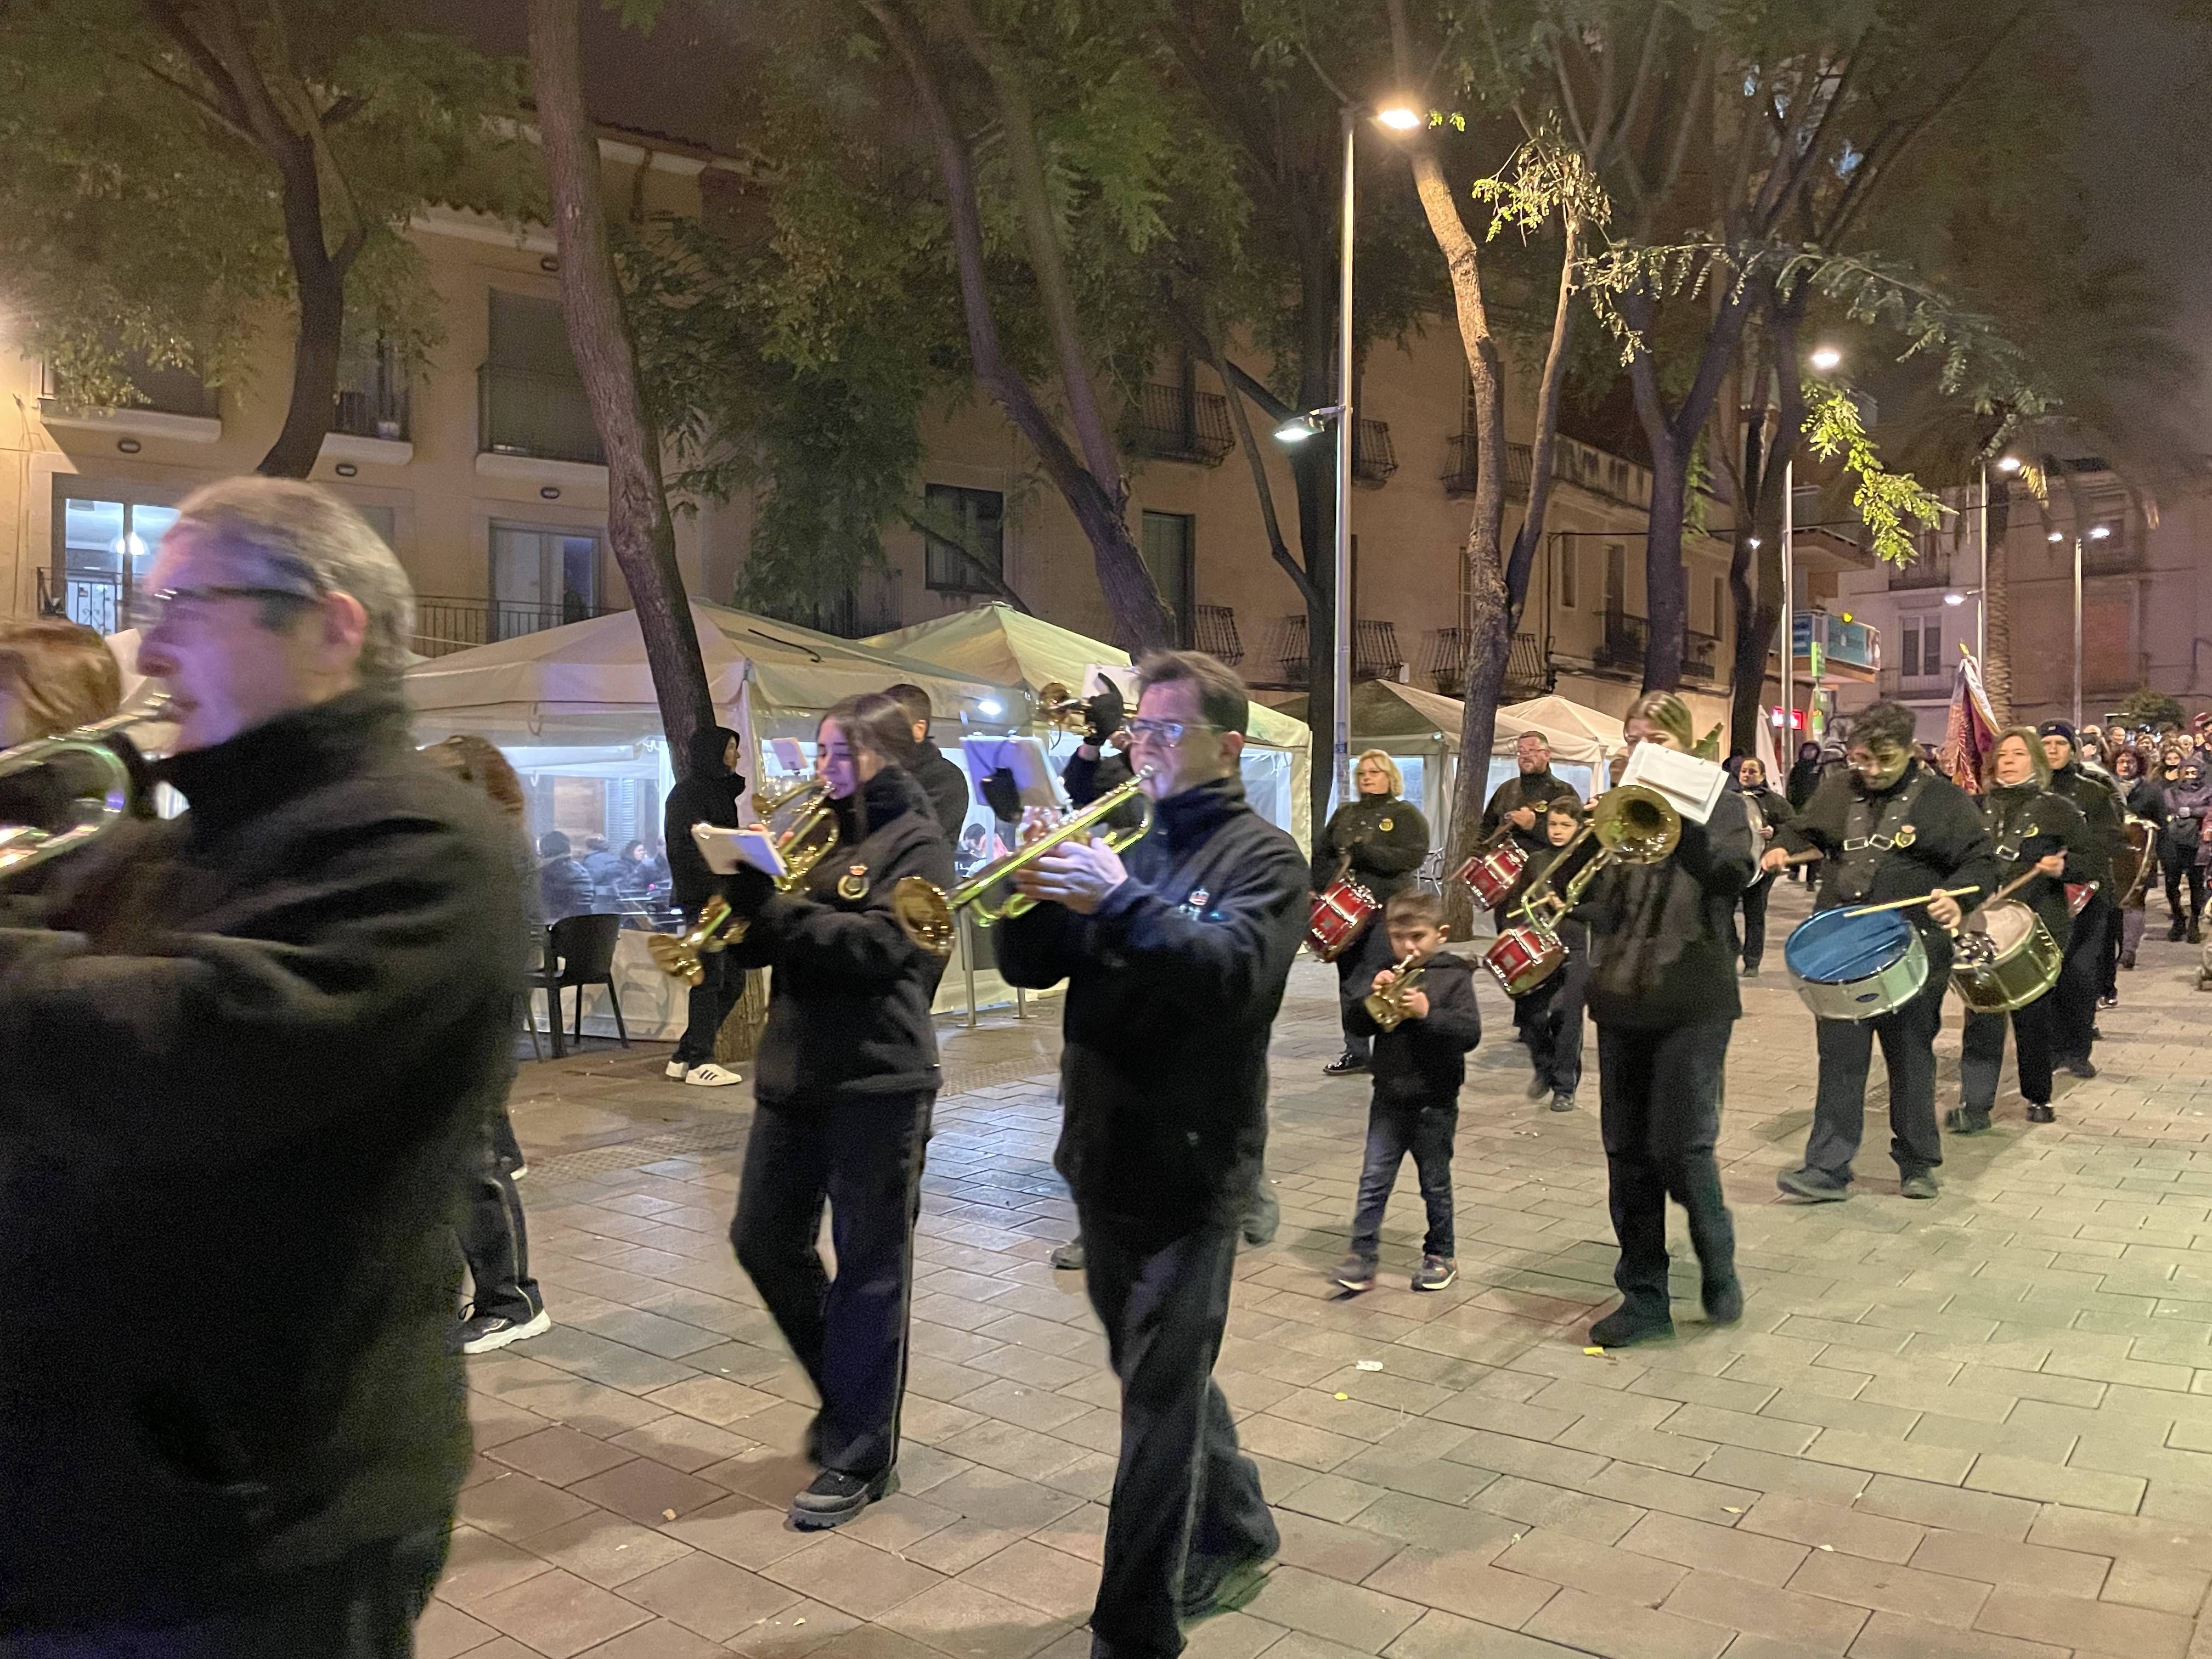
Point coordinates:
[[1917, 898]]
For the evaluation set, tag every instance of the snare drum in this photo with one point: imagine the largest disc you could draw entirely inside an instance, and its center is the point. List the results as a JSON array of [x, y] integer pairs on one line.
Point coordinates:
[[1855, 967], [1522, 958], [1489, 876], [1341, 914], [2005, 959]]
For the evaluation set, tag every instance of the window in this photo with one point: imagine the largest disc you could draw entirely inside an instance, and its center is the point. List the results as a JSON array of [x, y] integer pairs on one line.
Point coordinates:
[[1922, 639], [1720, 603], [1616, 578], [978, 519], [1168, 541], [530, 399], [106, 549], [1569, 598], [541, 578]]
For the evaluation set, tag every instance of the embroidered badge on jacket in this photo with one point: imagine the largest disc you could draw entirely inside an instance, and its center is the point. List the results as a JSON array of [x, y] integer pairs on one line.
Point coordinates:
[[854, 883]]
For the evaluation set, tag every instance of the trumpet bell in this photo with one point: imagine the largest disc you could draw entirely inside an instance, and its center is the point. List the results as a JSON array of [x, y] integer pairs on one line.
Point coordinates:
[[922, 909], [1058, 706], [1636, 825], [676, 957]]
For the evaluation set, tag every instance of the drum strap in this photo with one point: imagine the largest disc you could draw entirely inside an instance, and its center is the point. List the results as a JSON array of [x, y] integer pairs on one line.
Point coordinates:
[[1868, 838], [2012, 832]]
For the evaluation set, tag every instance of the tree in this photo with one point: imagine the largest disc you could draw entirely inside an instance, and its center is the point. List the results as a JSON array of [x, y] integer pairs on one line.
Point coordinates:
[[2145, 706], [639, 526], [176, 165]]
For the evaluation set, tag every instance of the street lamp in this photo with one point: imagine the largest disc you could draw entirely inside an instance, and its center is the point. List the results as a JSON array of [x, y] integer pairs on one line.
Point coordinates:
[[1823, 360], [1299, 428], [2097, 533]]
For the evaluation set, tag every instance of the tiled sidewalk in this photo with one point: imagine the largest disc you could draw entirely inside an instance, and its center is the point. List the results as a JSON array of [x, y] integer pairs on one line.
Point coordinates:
[[1980, 1427]]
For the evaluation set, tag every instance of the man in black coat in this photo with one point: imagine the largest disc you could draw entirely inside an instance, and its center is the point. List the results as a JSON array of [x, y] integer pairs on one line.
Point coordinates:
[[1887, 827], [1520, 801], [942, 781], [1175, 955], [249, 1062], [2074, 1001], [707, 793]]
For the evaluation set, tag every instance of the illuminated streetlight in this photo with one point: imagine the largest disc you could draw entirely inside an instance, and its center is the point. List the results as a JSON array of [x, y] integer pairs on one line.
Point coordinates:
[[1825, 358], [1954, 599], [2055, 536], [1312, 423], [2007, 463], [2100, 532], [1399, 117]]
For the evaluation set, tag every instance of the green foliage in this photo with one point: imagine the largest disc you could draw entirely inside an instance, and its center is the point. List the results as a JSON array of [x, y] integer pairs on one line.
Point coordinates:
[[2155, 707], [1885, 500]]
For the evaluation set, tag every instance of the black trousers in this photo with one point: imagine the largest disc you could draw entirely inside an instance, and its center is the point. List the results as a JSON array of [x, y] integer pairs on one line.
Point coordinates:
[[863, 1155], [719, 989], [1550, 1021], [493, 1237], [1395, 1128], [361, 1608], [1186, 1500], [2181, 867], [1908, 1048], [1981, 1055], [1659, 1111], [1367, 955], [1754, 922], [2081, 979]]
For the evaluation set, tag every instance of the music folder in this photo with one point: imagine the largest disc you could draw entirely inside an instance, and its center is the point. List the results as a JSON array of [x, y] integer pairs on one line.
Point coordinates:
[[1024, 757], [726, 850], [1692, 787]]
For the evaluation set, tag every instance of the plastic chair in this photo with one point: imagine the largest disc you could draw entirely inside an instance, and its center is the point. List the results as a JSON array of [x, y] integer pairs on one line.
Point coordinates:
[[579, 951]]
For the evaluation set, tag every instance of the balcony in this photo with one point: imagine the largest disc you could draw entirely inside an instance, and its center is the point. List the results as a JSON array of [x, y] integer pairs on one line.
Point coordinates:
[[172, 403], [1213, 630], [1174, 423], [1527, 668], [1466, 472], [378, 412], [1572, 462], [2123, 554], [1700, 656], [445, 625], [1623, 643], [1373, 458], [530, 415], [1375, 653]]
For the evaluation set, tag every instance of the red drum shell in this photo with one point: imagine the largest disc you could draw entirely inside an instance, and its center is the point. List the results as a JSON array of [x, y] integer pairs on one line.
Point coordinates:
[[1523, 958], [1341, 914], [1490, 875]]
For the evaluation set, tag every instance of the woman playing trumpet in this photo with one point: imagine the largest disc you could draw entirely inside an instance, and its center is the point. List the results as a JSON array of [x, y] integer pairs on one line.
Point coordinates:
[[847, 1076]]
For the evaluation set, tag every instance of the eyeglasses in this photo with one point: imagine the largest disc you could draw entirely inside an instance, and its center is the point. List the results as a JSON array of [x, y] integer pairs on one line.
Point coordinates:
[[1168, 733], [148, 610]]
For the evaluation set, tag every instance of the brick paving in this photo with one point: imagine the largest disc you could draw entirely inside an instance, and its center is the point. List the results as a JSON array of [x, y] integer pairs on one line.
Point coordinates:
[[1980, 1427]]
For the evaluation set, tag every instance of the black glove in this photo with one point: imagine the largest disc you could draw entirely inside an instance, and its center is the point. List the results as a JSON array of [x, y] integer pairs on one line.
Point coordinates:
[[1106, 714], [1003, 795], [747, 889]]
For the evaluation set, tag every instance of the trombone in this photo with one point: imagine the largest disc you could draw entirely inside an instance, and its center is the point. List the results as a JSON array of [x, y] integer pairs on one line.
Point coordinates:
[[925, 910], [808, 840], [23, 845], [1632, 825], [1060, 707]]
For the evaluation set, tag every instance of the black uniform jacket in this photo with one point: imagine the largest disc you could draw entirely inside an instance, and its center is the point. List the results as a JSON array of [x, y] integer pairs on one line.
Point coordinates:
[[242, 1079], [707, 793], [2027, 823], [1173, 985], [1086, 779], [945, 785], [848, 1002], [2100, 808], [1663, 936], [1536, 789], [1423, 1062], [1382, 860]]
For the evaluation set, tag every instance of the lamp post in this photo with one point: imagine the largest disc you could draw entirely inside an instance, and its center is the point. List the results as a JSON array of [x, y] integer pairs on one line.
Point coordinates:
[[2097, 533]]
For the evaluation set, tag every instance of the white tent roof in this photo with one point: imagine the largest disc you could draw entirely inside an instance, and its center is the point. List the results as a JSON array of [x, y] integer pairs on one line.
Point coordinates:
[[1575, 732]]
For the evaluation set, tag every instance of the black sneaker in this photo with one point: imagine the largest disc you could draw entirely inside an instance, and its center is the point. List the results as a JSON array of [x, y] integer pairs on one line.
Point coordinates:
[[2040, 1112], [1345, 1065], [1961, 1120], [835, 1498], [1919, 1184], [488, 1333], [2079, 1066], [1538, 1088], [1435, 1272], [1809, 1184], [1355, 1272], [1724, 1301], [1622, 1328], [1209, 1588], [1563, 1100], [2108, 1002]]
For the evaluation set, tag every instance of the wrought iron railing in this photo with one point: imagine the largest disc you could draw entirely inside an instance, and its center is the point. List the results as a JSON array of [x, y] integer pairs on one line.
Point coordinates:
[[1528, 668], [547, 417], [444, 625], [1176, 424], [1373, 457], [371, 412], [1374, 653], [166, 391], [1213, 630]]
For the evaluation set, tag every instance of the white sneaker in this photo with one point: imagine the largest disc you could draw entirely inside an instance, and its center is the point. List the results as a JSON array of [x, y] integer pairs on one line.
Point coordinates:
[[489, 1332], [674, 1071], [711, 1076]]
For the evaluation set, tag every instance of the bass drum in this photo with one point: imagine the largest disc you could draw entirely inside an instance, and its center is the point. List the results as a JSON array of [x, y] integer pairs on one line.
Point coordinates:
[[1490, 877], [1522, 958], [1341, 914], [2134, 861], [2005, 958], [1855, 967]]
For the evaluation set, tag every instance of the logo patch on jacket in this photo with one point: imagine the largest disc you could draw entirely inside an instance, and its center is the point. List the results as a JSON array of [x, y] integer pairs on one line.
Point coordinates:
[[1194, 906], [854, 883]]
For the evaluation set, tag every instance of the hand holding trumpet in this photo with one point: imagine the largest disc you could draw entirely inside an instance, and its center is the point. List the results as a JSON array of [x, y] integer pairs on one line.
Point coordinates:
[[1079, 874], [1415, 1003]]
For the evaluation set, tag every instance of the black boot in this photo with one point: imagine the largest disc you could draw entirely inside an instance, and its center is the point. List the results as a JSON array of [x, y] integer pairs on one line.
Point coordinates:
[[2196, 930], [1628, 1324], [2174, 932]]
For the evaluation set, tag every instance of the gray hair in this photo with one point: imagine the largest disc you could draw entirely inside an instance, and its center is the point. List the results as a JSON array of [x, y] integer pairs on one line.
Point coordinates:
[[306, 533]]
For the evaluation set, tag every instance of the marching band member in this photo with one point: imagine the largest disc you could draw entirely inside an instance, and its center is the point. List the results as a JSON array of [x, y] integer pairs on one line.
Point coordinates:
[[1662, 989], [2034, 828], [56, 675], [1521, 801], [1378, 840], [2081, 979], [1548, 1017], [1887, 827], [847, 1076], [1176, 954]]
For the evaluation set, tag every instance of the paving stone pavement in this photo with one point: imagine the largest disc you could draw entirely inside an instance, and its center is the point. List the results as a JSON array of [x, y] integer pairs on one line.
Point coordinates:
[[1979, 1428]]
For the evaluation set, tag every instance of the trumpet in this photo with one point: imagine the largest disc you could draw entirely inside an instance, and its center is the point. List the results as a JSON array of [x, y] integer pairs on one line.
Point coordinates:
[[679, 958], [1057, 706], [1386, 1005], [23, 845], [769, 802], [924, 911], [805, 843]]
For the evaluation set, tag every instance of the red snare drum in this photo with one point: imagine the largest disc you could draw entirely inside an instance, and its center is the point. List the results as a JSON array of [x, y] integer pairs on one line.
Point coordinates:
[[2078, 895], [1341, 914], [1491, 875], [1524, 957]]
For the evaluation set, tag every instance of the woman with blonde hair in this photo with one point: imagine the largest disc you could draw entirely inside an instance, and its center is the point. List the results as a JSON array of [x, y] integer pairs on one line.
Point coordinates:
[[1378, 839], [56, 675]]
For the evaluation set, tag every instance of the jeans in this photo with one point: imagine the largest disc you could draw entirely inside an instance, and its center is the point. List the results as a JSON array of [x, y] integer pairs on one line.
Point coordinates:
[[1186, 1502], [493, 1238], [863, 1154], [1754, 922], [721, 987], [2131, 932], [1981, 1055], [361, 1608], [1355, 977], [2080, 978], [1659, 1111], [1908, 1048], [1395, 1128]]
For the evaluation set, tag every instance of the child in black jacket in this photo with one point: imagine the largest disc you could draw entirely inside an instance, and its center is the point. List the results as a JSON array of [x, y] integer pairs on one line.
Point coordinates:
[[1417, 1068]]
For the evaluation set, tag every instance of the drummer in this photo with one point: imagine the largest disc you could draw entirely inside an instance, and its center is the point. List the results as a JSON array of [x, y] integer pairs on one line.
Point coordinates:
[[1377, 839], [1887, 827], [2036, 830], [1519, 805]]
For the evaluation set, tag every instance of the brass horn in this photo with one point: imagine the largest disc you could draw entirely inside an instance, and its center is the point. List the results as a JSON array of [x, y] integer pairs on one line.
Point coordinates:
[[1058, 706], [23, 845]]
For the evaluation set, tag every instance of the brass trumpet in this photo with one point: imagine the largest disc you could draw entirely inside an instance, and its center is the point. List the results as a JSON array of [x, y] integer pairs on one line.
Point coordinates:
[[1630, 823], [924, 911], [23, 845], [805, 843], [679, 958], [1386, 1005], [1058, 706], [769, 802]]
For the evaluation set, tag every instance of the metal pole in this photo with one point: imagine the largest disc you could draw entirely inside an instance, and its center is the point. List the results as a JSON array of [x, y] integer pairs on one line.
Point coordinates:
[[1982, 601], [1344, 430], [1789, 603], [2078, 633]]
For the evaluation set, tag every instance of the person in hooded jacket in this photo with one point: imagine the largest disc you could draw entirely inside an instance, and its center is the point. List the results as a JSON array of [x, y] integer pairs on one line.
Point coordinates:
[[2188, 799], [941, 777], [1662, 990], [2081, 980], [1378, 839], [1767, 810], [707, 793], [847, 1077], [2039, 831]]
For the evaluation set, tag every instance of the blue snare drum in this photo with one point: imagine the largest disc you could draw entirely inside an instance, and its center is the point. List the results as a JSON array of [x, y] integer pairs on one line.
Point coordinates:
[[1855, 968]]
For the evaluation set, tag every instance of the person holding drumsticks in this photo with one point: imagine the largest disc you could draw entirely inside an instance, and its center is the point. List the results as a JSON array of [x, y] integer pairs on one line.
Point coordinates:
[[1887, 827], [2036, 832], [1378, 840]]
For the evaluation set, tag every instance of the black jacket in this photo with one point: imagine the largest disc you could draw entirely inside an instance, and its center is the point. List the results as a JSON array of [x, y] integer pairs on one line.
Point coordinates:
[[848, 1003], [1384, 838], [707, 793], [1423, 1062], [945, 785], [1949, 847], [1773, 805], [2027, 823], [1663, 936], [245, 1078], [46, 798], [1173, 987], [2101, 808], [565, 888], [1535, 789], [1086, 780], [1804, 779]]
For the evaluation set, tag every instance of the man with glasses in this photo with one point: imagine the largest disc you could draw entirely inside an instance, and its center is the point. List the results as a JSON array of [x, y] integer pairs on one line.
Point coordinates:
[[1176, 954], [249, 1063], [1519, 805]]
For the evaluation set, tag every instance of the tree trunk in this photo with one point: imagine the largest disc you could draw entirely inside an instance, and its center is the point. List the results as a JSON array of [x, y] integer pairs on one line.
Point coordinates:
[[639, 526], [1531, 533], [320, 280]]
